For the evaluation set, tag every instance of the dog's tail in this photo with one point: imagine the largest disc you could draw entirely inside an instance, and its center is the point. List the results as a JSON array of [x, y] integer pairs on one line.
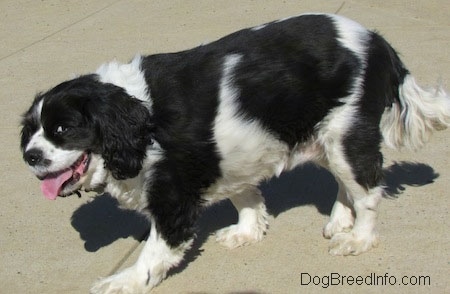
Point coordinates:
[[411, 117]]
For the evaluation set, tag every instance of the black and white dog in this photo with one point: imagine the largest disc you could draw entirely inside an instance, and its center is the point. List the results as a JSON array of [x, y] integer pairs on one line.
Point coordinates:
[[169, 134]]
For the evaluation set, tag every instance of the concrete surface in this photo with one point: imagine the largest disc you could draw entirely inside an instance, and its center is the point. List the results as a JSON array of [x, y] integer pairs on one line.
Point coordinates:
[[62, 246]]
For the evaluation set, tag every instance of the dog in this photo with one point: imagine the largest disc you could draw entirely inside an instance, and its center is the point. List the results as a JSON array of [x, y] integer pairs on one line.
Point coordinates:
[[169, 134]]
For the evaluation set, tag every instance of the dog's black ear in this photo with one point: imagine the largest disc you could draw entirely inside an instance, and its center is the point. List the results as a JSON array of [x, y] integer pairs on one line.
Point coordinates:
[[123, 128]]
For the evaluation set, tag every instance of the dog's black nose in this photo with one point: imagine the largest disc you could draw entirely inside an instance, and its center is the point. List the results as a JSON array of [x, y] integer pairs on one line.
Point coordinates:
[[33, 157]]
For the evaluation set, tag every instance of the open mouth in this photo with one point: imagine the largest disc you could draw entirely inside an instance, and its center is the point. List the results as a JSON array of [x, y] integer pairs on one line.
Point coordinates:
[[54, 183]]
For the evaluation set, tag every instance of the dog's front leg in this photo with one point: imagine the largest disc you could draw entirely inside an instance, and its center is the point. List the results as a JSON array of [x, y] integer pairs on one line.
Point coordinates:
[[173, 209], [155, 260]]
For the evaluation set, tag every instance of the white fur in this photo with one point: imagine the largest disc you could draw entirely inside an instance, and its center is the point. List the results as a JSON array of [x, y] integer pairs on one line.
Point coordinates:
[[60, 158], [351, 196], [353, 36], [249, 147], [341, 217], [252, 222], [264, 156], [150, 269], [420, 113], [289, 17], [128, 76], [250, 154], [132, 193], [96, 174], [257, 28]]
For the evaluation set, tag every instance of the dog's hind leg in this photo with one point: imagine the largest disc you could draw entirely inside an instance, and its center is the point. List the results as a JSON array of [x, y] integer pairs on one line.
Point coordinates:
[[252, 222], [342, 215], [357, 165], [363, 236]]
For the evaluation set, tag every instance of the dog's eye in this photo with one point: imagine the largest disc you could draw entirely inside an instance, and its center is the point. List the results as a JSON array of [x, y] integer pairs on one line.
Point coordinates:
[[61, 130]]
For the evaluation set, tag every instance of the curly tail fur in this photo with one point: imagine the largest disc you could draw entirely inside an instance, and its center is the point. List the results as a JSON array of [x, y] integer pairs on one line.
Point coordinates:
[[415, 115]]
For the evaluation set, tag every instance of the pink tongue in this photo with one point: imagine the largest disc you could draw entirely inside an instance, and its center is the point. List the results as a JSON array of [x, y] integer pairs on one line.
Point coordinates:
[[52, 186]]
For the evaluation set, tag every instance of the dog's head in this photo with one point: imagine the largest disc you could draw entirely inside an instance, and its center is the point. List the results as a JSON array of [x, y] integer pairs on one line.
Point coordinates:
[[80, 131]]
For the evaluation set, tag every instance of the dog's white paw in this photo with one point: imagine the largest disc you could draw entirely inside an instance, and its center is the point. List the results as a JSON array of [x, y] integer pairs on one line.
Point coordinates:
[[352, 244], [242, 234], [251, 227], [234, 236], [129, 281], [338, 226]]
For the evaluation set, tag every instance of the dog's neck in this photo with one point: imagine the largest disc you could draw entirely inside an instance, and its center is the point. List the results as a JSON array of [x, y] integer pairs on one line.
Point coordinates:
[[131, 193], [128, 76]]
